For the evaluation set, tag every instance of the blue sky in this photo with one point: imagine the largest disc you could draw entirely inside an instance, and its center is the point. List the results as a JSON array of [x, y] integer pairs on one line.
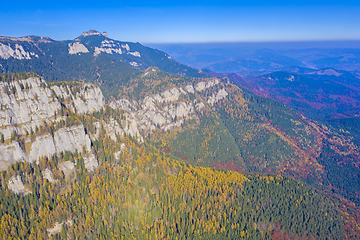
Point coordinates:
[[185, 21]]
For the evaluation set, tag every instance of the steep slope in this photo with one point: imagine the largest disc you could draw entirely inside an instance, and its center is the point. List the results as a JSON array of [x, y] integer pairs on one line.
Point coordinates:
[[136, 55], [35, 120], [210, 123], [203, 121], [99, 171], [318, 94], [59, 61], [144, 195], [95, 59]]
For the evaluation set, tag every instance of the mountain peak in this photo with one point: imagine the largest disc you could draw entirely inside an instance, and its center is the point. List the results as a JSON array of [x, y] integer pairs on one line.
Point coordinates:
[[94, 32]]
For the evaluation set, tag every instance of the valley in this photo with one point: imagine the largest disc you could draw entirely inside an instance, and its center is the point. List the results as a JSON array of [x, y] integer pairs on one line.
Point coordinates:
[[96, 146]]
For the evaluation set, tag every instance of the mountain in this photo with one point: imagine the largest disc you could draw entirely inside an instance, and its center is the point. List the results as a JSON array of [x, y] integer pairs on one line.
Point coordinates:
[[339, 58], [80, 165], [131, 153], [319, 94], [259, 60], [107, 64], [225, 58], [135, 54]]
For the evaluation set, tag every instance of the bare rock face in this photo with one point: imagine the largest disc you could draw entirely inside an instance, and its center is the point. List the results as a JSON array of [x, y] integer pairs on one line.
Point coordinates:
[[92, 32], [65, 139], [221, 94], [170, 95], [16, 185], [27, 103], [201, 86], [55, 230], [184, 109], [190, 89], [77, 47], [91, 163], [165, 110], [17, 52], [67, 167], [42, 146], [71, 139], [112, 129], [89, 99], [118, 153], [47, 174], [10, 154], [111, 47], [58, 226]]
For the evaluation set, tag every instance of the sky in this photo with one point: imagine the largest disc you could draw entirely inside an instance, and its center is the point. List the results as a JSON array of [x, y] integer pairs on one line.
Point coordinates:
[[185, 21]]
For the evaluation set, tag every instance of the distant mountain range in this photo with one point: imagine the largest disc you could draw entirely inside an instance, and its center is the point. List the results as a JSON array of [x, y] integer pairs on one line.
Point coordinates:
[[320, 94], [260, 58]]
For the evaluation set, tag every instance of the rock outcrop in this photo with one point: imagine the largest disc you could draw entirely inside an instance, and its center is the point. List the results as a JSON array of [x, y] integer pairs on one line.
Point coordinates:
[[58, 226], [221, 94], [6, 52], [91, 163], [111, 47], [92, 32], [166, 110], [47, 174], [17, 186], [77, 47], [67, 168], [25, 104], [10, 154]]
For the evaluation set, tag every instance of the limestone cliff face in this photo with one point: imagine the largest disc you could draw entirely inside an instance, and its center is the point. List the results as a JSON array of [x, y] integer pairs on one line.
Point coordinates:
[[26, 104], [77, 47], [65, 139], [170, 108], [10, 154], [17, 52], [111, 47]]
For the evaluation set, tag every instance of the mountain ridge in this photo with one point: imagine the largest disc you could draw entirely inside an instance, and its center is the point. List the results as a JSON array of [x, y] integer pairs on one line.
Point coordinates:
[[129, 138], [108, 150]]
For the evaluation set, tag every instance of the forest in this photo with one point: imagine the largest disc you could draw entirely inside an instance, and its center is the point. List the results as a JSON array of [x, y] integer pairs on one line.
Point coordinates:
[[146, 193]]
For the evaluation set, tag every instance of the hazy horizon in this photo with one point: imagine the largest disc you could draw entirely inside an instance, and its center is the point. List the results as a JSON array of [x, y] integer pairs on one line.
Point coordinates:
[[271, 45], [186, 21]]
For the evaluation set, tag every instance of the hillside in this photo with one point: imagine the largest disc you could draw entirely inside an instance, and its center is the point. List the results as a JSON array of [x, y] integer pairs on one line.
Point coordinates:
[[206, 122], [318, 94], [160, 129], [85, 168], [135, 54], [260, 58], [89, 60]]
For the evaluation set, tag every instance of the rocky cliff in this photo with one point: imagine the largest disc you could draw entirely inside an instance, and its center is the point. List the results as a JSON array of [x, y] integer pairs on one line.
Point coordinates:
[[25, 104], [170, 108], [28, 104]]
